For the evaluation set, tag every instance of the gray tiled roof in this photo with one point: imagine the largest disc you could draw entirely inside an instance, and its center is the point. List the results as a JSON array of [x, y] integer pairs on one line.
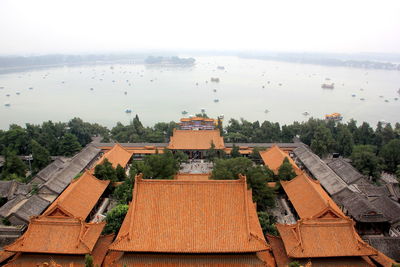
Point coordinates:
[[328, 178]]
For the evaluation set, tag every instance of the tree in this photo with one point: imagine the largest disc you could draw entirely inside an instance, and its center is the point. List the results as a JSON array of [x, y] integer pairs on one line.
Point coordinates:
[[255, 154], [123, 192], [230, 168], [294, 264], [211, 153], [105, 171], [364, 135], [88, 260], [14, 167], [257, 177], [81, 130], [267, 224], [120, 173], [322, 141], [285, 171], [235, 151], [344, 141], [158, 166], [69, 145], [41, 157], [365, 160], [391, 155], [15, 139], [181, 157], [398, 171], [114, 219]]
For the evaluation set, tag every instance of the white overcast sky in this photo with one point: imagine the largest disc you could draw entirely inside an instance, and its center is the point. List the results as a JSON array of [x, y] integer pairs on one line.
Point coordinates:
[[89, 26]]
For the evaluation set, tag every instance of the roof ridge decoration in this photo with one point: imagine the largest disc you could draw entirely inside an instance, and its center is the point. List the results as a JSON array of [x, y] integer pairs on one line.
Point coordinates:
[[138, 178], [328, 209], [58, 208], [246, 199]]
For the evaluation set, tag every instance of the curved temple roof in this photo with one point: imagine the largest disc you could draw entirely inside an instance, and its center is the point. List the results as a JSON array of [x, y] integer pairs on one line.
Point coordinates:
[[215, 216]]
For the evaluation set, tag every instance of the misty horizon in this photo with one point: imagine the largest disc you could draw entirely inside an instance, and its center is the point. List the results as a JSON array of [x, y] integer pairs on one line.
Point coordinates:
[[73, 27]]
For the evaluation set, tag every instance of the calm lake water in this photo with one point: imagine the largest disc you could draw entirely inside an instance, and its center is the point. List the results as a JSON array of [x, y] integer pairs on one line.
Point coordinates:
[[162, 93]]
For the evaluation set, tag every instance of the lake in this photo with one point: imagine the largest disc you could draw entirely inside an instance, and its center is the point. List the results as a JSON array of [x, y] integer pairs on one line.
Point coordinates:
[[247, 88]]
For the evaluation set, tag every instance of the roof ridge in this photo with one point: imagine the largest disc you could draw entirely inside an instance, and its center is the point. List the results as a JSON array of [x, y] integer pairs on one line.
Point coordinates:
[[138, 178], [246, 207], [309, 181], [189, 182]]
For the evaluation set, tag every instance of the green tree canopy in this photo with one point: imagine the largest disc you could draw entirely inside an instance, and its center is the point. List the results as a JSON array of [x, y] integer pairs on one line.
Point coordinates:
[[344, 141], [105, 171], [285, 171], [322, 141], [257, 178], [158, 166], [267, 223], [120, 173], [391, 155], [14, 167], [365, 160], [235, 151], [41, 157], [69, 145], [114, 219]]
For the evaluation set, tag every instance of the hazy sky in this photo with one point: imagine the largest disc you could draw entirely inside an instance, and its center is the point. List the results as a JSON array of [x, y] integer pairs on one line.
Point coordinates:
[[51, 26]]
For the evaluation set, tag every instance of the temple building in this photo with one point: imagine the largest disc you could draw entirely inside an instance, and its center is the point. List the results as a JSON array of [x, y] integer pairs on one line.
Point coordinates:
[[190, 223], [195, 143], [62, 233], [323, 235], [273, 158], [197, 123], [117, 155]]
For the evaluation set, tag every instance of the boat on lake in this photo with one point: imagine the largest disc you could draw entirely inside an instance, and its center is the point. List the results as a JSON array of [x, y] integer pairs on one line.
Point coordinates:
[[128, 111], [333, 117], [306, 113], [216, 80], [7, 104], [216, 100], [328, 86], [221, 67]]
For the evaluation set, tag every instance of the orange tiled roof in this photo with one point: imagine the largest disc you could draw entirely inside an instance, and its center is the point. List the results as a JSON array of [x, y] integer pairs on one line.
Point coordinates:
[[101, 248], [274, 157], [80, 196], [5, 255], [116, 155], [193, 176], [282, 259], [214, 216], [308, 197], [59, 235], [47, 260], [190, 260], [322, 237], [197, 119], [196, 140]]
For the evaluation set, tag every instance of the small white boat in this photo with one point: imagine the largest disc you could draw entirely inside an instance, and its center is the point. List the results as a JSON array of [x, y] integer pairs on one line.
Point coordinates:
[[184, 112], [216, 100], [306, 113], [18, 92], [128, 111], [7, 104]]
